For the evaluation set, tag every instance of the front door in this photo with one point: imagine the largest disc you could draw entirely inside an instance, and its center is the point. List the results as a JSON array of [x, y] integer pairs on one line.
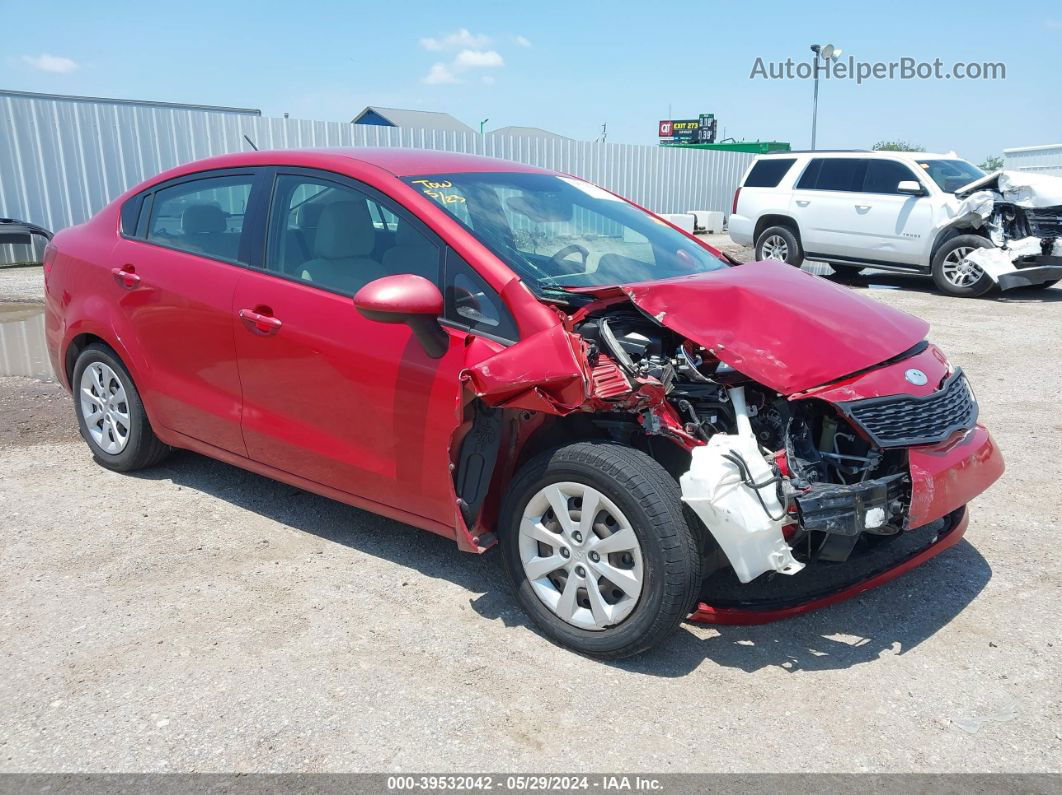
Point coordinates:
[[328, 395]]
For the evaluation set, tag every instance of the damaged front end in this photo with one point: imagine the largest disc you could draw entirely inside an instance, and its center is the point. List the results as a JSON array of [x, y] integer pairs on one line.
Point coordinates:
[[807, 426], [1022, 215]]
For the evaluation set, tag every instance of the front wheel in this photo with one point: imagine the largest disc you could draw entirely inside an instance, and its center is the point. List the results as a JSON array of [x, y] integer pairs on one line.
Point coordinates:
[[595, 543], [954, 274]]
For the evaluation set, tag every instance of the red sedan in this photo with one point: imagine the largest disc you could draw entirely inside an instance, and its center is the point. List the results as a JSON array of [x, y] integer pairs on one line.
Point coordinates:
[[506, 355]]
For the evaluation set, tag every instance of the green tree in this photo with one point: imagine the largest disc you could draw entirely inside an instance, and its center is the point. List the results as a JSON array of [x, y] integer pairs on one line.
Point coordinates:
[[992, 163], [897, 146]]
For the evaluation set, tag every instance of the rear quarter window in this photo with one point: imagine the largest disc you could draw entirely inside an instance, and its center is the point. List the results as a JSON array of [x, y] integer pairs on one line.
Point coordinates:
[[768, 173]]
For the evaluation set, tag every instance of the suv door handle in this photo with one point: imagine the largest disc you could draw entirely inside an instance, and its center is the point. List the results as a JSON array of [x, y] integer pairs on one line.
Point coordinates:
[[259, 322], [803, 202], [126, 276], [862, 206]]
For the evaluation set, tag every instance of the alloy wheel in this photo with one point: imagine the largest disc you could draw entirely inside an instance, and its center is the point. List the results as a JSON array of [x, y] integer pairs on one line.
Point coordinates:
[[775, 247], [581, 555], [958, 271], [105, 408]]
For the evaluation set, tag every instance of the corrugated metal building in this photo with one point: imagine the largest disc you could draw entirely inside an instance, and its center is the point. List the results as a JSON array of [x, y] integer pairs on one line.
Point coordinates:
[[63, 158], [1035, 159]]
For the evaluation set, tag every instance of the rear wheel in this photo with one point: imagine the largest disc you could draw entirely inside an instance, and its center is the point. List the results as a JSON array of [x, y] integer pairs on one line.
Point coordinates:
[[594, 540], [110, 414], [954, 274], [781, 244]]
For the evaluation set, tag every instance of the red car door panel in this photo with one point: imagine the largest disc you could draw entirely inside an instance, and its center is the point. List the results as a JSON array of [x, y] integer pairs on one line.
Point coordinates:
[[180, 311], [344, 401]]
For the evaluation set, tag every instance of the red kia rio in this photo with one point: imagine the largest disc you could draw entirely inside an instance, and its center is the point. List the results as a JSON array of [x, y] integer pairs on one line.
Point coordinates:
[[505, 355]]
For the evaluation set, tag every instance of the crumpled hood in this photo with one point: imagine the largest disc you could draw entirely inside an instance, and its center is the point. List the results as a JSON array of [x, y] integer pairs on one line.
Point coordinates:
[[784, 328]]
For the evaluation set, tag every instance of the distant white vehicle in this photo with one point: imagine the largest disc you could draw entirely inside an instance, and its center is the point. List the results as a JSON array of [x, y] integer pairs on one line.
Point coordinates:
[[911, 212]]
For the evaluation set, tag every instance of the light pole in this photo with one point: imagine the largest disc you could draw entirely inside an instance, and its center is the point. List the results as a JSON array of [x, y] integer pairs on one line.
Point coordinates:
[[481, 125], [826, 52]]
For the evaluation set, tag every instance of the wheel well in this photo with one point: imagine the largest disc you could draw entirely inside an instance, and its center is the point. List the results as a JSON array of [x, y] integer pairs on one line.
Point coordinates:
[[775, 220], [78, 344], [952, 232]]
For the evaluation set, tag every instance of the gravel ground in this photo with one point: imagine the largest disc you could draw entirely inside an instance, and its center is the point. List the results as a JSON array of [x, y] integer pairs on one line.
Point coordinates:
[[22, 284], [200, 618]]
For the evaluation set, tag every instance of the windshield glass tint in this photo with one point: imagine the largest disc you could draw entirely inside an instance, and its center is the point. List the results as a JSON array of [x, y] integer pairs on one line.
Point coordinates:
[[950, 175], [558, 232]]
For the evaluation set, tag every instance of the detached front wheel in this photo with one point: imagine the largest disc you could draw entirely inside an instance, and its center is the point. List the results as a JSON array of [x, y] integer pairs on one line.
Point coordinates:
[[596, 546]]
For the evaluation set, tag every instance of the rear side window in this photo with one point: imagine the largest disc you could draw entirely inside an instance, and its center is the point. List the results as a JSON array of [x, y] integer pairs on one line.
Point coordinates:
[[131, 215], [884, 175], [834, 173], [768, 173], [203, 216]]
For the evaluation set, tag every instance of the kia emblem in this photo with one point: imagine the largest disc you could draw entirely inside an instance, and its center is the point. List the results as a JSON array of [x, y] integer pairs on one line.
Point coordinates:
[[916, 377]]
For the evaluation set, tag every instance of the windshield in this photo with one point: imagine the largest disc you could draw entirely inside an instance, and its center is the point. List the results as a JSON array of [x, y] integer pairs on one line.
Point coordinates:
[[558, 232], [951, 174]]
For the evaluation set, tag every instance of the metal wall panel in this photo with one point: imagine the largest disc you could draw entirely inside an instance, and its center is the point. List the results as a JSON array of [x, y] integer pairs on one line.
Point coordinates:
[[61, 160], [1035, 159]]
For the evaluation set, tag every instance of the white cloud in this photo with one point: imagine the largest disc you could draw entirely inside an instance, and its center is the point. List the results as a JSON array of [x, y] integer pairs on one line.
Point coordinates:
[[443, 73], [523, 41], [440, 74], [478, 59], [452, 41], [56, 64]]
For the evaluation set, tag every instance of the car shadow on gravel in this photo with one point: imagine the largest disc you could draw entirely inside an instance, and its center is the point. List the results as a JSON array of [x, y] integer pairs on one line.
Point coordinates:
[[891, 619], [923, 284]]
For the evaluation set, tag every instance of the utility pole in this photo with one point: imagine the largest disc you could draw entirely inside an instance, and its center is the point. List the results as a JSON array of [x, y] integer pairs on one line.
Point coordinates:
[[826, 52]]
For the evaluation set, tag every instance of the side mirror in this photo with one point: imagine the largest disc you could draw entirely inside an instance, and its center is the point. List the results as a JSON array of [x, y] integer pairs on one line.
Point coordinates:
[[408, 299], [911, 187]]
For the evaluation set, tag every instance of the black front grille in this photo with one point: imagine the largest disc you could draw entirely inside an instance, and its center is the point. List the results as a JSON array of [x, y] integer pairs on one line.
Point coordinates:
[[1045, 222], [904, 421]]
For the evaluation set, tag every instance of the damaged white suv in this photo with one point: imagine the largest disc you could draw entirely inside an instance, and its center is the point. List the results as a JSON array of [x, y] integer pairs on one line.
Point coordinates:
[[911, 212]]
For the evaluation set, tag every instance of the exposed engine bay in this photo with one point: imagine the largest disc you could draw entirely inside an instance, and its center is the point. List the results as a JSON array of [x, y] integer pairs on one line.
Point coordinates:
[[778, 482]]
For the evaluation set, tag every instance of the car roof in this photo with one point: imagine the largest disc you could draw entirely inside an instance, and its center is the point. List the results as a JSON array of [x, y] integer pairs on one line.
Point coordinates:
[[864, 153], [400, 162]]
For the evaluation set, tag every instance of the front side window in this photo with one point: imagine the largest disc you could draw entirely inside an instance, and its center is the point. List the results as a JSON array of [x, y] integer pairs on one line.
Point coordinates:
[[884, 175], [334, 236], [950, 174], [560, 232], [203, 216]]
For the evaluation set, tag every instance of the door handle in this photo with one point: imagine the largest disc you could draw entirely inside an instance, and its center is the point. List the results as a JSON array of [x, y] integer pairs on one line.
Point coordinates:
[[862, 206], [803, 202], [126, 276], [260, 320]]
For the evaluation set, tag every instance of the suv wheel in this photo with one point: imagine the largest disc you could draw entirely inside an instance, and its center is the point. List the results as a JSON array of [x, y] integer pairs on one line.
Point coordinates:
[[594, 540], [954, 275], [779, 243], [109, 412]]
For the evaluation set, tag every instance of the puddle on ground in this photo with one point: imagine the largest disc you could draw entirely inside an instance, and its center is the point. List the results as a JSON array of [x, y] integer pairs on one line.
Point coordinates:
[[23, 350]]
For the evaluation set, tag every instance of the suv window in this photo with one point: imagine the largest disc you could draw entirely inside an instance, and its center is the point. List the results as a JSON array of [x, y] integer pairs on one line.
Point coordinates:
[[337, 237], [834, 173], [202, 216], [884, 175], [768, 173]]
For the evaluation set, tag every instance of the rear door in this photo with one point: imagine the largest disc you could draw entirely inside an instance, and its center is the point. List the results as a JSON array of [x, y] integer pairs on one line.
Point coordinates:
[[177, 273], [824, 202]]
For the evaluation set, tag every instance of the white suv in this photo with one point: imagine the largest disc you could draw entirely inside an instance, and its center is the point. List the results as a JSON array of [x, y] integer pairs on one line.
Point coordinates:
[[890, 210]]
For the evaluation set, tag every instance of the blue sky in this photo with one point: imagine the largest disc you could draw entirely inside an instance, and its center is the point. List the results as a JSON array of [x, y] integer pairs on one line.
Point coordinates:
[[566, 66]]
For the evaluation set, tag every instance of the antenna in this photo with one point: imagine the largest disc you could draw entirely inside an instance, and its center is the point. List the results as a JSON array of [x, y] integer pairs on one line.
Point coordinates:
[[248, 140]]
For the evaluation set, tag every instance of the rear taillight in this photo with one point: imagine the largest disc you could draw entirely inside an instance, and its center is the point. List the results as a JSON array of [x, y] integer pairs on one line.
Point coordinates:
[[733, 210], [49, 257]]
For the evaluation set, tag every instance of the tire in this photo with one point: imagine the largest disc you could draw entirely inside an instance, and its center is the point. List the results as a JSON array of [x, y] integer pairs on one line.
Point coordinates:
[[947, 270], [650, 525], [779, 243], [97, 364]]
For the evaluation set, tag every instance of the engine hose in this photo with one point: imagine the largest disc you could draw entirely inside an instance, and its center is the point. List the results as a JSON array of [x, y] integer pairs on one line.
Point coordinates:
[[746, 477]]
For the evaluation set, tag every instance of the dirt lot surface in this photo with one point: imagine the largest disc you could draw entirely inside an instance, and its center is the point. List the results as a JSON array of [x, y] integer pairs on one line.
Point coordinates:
[[200, 618]]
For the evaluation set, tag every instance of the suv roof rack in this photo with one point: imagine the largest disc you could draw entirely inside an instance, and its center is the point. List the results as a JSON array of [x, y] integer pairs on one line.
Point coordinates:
[[813, 151]]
